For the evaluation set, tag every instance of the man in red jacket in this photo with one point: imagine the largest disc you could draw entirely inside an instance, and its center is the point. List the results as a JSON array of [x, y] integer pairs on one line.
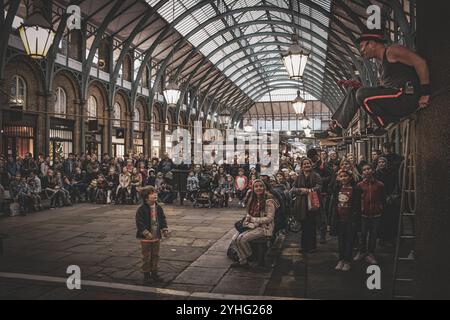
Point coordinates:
[[373, 200]]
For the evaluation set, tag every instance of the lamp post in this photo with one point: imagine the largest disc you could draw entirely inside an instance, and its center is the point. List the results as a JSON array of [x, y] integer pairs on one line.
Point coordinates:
[[36, 33], [295, 59]]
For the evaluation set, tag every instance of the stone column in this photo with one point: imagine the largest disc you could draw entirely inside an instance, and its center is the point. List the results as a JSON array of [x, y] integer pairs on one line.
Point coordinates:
[[433, 160]]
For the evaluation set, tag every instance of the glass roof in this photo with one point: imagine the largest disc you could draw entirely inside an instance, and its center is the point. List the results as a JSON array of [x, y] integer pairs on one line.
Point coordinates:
[[246, 44]]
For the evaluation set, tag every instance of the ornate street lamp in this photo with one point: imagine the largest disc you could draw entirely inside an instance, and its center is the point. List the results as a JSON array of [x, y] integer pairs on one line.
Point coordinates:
[[172, 93], [224, 117], [36, 33], [295, 59], [299, 104]]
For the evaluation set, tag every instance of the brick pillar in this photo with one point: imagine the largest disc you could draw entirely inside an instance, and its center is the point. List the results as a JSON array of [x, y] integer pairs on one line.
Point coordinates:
[[433, 160]]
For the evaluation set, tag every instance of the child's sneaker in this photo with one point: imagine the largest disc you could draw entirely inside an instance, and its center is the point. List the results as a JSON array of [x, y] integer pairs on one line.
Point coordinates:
[[371, 259], [339, 266], [359, 256], [346, 267]]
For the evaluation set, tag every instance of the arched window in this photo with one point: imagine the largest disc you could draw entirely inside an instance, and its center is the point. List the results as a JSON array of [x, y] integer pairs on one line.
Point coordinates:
[[18, 91], [137, 119], [92, 108], [61, 103], [117, 115]]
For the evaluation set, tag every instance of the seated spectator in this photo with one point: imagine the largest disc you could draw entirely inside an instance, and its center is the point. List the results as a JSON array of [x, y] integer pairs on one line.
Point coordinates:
[[158, 181], [20, 193], [259, 222], [136, 183], [167, 195], [113, 182], [64, 193], [124, 187], [102, 190], [151, 177], [35, 190]]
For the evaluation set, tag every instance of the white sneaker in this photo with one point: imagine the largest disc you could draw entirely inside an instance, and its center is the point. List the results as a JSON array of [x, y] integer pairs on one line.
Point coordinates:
[[358, 256], [339, 266], [346, 267], [371, 259]]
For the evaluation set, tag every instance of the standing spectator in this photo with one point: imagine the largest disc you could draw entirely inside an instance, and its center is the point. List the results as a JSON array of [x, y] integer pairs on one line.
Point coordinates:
[[307, 181], [69, 165], [389, 219], [373, 200], [375, 156], [151, 225], [12, 167], [44, 167], [347, 212], [241, 186]]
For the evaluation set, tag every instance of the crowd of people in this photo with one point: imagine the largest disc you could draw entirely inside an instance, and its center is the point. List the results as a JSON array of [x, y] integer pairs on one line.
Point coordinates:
[[359, 200]]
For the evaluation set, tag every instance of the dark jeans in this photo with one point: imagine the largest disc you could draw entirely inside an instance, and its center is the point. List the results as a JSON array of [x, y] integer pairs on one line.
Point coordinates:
[[309, 234], [370, 228], [167, 196], [345, 230]]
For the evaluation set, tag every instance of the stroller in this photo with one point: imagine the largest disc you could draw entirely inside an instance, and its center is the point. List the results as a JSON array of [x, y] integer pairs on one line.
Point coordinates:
[[204, 194]]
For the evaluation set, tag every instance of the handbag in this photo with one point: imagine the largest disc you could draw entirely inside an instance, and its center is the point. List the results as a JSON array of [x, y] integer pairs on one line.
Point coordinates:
[[239, 225], [313, 201]]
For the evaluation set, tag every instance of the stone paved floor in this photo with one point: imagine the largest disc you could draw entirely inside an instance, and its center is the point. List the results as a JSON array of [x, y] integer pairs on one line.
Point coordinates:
[[101, 240]]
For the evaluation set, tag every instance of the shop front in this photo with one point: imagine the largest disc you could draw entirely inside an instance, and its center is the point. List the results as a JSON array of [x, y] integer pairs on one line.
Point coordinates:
[[18, 134], [61, 139], [94, 142], [138, 143], [118, 143]]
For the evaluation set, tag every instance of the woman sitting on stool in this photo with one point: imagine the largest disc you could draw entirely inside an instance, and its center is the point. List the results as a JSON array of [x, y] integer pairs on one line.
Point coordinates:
[[260, 221]]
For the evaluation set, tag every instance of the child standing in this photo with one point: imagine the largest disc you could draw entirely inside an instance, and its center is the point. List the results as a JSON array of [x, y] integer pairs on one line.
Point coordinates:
[[373, 201], [347, 211], [151, 226]]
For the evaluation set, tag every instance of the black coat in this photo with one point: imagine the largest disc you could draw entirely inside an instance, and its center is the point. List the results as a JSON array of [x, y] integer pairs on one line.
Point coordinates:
[[143, 221]]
